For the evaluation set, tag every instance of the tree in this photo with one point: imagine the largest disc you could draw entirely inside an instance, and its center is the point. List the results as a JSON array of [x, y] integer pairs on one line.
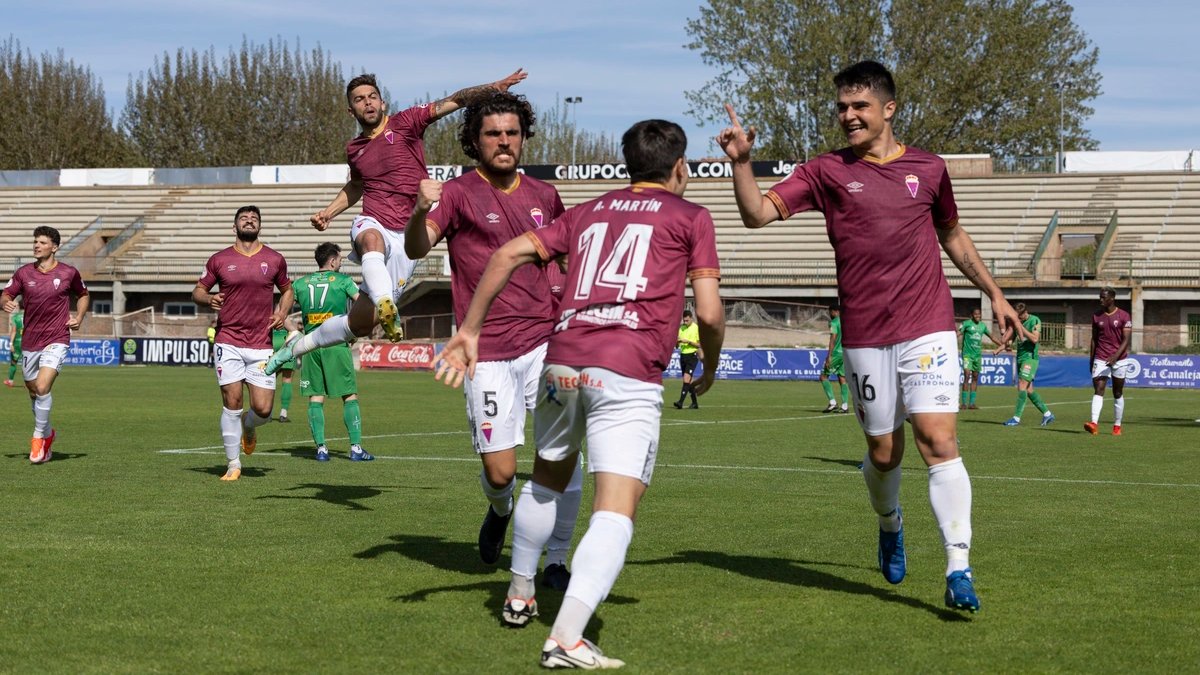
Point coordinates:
[[265, 104], [972, 76], [553, 138], [53, 114]]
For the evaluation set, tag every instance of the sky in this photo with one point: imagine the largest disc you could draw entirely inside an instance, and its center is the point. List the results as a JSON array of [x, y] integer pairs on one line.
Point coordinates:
[[625, 59]]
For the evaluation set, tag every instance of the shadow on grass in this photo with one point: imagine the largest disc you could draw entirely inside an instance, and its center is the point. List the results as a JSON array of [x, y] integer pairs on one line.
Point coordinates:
[[1157, 422], [54, 456], [783, 570], [338, 495], [844, 462], [247, 471]]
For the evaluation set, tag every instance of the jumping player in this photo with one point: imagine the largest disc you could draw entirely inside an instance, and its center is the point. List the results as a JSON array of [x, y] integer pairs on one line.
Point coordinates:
[[900, 346], [47, 286], [247, 274], [630, 251], [387, 162], [476, 214], [1112, 331]]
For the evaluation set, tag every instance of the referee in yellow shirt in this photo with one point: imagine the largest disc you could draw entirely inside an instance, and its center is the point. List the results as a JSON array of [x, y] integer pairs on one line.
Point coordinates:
[[689, 356]]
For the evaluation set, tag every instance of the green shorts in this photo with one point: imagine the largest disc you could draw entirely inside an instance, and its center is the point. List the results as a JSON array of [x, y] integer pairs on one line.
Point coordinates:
[[836, 367], [972, 363], [277, 341], [328, 371], [1027, 369]]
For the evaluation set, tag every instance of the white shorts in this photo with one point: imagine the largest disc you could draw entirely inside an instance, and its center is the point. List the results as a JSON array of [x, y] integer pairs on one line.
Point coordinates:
[[399, 267], [50, 356], [1119, 370], [498, 396], [241, 364], [889, 383], [619, 416]]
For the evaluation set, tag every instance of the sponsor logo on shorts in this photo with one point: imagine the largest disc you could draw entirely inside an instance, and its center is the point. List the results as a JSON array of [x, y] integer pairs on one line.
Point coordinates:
[[552, 390], [913, 183], [942, 399], [486, 428], [304, 384], [934, 359]]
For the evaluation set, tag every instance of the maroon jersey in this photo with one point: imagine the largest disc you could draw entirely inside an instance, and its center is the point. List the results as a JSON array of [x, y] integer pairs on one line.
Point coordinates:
[[881, 218], [249, 283], [630, 252], [477, 218], [47, 303], [1108, 332], [391, 165]]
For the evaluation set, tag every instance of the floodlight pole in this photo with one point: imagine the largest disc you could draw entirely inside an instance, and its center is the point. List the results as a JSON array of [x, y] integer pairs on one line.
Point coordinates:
[[574, 102]]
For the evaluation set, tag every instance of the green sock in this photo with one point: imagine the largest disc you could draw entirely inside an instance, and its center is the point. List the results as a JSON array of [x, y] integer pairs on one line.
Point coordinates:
[[828, 387], [285, 396], [1037, 402], [316, 421], [1021, 398], [353, 420], [845, 394], [971, 400], [962, 397], [12, 370]]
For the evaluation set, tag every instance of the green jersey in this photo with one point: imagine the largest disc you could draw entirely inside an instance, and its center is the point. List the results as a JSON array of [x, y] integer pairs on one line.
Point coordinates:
[[323, 295], [18, 322], [1028, 349], [973, 333], [835, 329]]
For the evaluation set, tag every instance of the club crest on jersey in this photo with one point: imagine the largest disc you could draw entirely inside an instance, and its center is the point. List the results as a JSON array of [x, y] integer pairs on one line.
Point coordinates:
[[57, 283], [389, 136], [913, 184], [264, 268], [854, 187], [493, 218], [486, 428], [536, 214]]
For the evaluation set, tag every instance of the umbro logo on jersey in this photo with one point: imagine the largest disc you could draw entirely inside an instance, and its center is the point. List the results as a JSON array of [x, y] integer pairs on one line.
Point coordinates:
[[855, 186], [493, 218], [231, 268]]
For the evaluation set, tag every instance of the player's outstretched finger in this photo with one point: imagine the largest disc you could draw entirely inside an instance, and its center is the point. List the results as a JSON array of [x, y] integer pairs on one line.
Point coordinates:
[[733, 118]]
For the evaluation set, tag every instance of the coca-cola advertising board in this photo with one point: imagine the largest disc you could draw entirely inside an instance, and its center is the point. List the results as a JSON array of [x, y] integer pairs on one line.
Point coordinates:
[[403, 355]]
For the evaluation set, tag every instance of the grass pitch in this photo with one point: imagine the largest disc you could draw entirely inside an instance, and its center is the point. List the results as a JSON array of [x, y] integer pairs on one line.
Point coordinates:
[[754, 550]]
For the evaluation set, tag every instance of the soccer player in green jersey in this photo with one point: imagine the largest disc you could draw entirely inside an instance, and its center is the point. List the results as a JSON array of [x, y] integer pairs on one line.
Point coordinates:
[[833, 363], [16, 326], [278, 338], [970, 345], [1029, 333], [329, 371]]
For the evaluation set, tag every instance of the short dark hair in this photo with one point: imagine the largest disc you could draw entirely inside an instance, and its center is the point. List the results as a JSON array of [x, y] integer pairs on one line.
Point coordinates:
[[498, 103], [687, 312], [365, 78], [326, 251], [834, 307], [1109, 291], [870, 75], [249, 208], [1020, 307], [48, 232], [651, 148]]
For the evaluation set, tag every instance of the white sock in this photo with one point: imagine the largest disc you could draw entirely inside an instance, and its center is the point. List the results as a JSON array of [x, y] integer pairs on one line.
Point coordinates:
[[231, 434], [334, 331], [375, 276], [564, 519], [883, 489], [594, 570], [1097, 404], [1118, 410], [832, 402], [499, 498], [41, 415], [950, 497], [533, 523]]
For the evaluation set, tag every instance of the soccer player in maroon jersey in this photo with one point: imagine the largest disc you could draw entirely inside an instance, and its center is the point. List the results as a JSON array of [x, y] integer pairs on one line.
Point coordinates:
[[387, 162], [887, 208], [47, 286], [1112, 330], [247, 274], [476, 214], [630, 252]]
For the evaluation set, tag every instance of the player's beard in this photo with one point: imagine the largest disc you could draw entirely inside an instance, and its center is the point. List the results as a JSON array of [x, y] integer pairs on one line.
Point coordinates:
[[247, 235], [502, 172]]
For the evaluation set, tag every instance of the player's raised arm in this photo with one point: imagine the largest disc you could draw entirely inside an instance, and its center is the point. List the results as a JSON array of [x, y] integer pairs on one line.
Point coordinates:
[[419, 237], [958, 245], [462, 351], [471, 95], [756, 210], [348, 196]]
